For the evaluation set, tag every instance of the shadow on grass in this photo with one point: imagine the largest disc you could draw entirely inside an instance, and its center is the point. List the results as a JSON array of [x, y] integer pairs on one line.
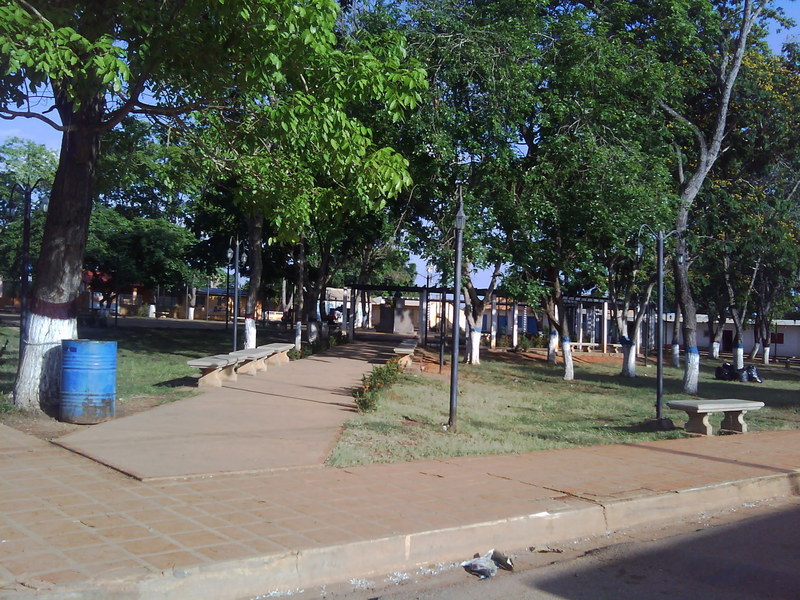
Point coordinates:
[[779, 390], [178, 382]]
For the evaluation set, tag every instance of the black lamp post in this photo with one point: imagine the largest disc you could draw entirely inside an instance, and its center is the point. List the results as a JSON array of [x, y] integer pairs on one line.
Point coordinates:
[[659, 236], [234, 253], [27, 193], [460, 219], [429, 270]]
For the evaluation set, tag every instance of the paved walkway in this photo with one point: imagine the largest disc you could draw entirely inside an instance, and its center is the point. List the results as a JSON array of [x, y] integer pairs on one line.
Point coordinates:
[[73, 528], [290, 416]]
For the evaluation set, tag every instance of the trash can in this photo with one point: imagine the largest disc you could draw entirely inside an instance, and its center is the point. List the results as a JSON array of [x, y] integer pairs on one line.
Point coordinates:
[[88, 381]]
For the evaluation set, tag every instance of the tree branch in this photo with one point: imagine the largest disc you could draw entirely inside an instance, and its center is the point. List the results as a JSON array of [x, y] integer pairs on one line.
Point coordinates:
[[8, 115]]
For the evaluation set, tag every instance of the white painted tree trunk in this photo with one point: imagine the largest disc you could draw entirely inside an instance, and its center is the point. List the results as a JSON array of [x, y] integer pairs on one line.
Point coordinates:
[[250, 333], [190, 313], [715, 351], [569, 368], [629, 360], [738, 357], [552, 347], [313, 331], [755, 351], [676, 355], [474, 349], [766, 354], [691, 374], [37, 387], [298, 336]]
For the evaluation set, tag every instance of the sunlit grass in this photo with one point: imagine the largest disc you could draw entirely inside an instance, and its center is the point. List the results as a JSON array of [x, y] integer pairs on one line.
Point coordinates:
[[151, 363], [511, 405]]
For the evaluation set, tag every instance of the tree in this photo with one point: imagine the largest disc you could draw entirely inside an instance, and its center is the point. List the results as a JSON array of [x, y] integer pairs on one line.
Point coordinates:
[[482, 62], [725, 50], [94, 65], [26, 176], [144, 250], [593, 169]]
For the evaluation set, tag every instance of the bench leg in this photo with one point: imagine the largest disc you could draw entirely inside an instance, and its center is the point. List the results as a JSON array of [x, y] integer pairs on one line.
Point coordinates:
[[247, 368], [698, 423], [209, 378], [228, 373], [734, 421], [278, 359]]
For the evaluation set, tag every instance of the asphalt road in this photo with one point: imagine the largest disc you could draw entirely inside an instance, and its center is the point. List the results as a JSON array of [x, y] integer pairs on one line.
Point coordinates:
[[750, 553]]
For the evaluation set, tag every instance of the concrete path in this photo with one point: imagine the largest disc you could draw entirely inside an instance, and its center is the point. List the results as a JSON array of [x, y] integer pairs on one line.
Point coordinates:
[[73, 528], [289, 416]]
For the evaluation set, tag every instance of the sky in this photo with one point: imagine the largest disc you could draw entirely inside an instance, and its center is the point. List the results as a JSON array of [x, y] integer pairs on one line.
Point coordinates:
[[42, 133]]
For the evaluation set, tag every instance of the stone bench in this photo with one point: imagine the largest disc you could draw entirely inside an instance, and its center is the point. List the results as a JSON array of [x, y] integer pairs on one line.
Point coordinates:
[[215, 369], [280, 352], [252, 360], [699, 410]]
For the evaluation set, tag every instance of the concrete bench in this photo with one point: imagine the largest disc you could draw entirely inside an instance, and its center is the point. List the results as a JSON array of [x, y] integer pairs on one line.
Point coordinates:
[[280, 352], [215, 369], [252, 360], [699, 410]]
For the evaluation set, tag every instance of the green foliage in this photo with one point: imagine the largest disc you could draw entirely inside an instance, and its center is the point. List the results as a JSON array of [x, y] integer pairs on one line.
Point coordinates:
[[374, 383], [150, 251]]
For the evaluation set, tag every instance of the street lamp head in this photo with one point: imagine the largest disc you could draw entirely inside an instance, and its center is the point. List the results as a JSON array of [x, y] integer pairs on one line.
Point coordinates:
[[460, 217], [639, 249], [230, 254]]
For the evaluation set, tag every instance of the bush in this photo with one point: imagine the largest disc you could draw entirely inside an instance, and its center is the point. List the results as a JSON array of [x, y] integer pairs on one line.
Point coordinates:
[[7, 407], [528, 342], [374, 382]]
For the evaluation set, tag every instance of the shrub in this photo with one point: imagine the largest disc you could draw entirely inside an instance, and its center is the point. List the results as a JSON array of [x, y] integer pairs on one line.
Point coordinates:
[[374, 382]]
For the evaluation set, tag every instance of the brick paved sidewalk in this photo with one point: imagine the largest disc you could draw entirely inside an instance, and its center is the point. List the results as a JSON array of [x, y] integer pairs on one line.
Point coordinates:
[[68, 524], [73, 528]]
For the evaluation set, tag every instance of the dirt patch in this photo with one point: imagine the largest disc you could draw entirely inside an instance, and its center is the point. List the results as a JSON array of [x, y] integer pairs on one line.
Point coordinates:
[[47, 428]]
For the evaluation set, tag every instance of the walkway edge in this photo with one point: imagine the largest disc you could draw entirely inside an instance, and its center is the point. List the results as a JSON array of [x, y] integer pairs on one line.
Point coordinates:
[[315, 567]]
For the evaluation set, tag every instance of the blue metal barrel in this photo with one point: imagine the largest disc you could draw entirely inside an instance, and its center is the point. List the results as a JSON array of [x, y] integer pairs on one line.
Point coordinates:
[[88, 381]]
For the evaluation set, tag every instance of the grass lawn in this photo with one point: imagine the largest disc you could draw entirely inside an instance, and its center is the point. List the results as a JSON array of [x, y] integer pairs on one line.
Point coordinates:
[[519, 403], [510, 403], [151, 363]]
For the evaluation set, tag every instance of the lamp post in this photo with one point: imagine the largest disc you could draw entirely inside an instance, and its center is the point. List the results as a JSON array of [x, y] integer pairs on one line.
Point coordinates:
[[429, 270], [234, 253], [452, 423], [228, 288], [27, 193], [659, 236]]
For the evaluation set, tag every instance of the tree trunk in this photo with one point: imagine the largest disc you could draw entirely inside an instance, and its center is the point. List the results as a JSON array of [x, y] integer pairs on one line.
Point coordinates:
[[715, 328], [691, 374], [628, 358], [552, 347], [474, 308], [738, 350], [255, 233], [566, 350], [676, 346], [767, 349], [57, 274], [474, 353]]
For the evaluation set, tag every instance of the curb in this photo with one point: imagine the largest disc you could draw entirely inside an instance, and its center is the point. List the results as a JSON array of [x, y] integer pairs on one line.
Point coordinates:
[[570, 518]]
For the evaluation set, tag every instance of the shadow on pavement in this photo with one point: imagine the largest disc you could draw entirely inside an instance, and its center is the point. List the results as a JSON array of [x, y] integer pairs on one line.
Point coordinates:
[[753, 559]]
